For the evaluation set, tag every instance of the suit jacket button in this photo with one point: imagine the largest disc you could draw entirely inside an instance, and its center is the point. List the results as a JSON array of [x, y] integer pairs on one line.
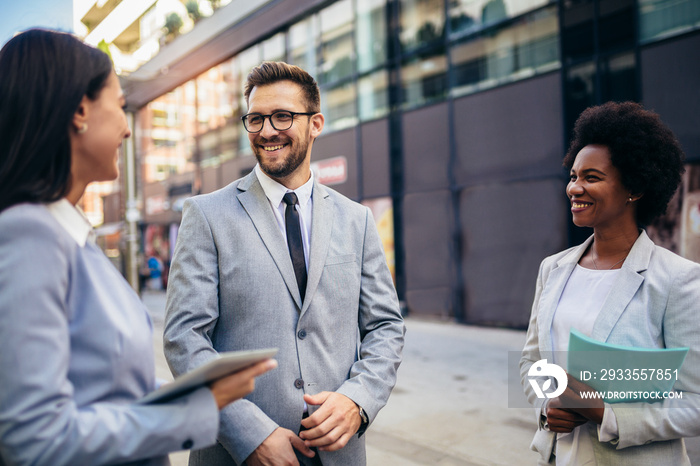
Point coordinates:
[[302, 334], [299, 383], [187, 444]]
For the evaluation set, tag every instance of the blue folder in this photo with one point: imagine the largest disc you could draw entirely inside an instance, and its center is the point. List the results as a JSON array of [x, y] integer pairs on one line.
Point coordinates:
[[624, 373]]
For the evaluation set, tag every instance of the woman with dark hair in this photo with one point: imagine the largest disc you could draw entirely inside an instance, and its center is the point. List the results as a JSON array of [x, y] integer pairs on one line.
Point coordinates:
[[75, 341], [617, 287]]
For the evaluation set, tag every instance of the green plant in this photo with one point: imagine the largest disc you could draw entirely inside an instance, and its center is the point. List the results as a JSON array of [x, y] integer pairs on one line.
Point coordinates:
[[193, 10], [104, 46], [173, 23]]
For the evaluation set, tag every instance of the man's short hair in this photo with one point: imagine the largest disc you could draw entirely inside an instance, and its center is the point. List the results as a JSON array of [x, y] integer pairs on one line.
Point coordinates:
[[270, 72]]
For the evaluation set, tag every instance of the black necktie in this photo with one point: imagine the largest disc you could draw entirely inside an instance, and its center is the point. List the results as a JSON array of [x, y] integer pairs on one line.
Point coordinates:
[[296, 246]]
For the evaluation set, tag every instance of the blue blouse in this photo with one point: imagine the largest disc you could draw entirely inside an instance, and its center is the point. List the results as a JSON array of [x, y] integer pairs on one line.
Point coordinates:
[[76, 353]]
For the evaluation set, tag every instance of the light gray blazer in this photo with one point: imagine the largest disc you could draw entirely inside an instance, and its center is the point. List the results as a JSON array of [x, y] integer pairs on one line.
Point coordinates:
[[655, 303], [232, 287], [76, 352]]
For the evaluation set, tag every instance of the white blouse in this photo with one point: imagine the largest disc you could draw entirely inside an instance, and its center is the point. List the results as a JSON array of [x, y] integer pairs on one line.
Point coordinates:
[[579, 307]]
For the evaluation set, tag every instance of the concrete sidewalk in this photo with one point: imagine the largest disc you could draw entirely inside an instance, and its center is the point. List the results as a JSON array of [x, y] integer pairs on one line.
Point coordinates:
[[449, 406]]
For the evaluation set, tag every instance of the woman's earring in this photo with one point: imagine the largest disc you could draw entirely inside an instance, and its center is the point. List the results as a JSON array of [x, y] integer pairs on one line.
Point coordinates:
[[83, 129]]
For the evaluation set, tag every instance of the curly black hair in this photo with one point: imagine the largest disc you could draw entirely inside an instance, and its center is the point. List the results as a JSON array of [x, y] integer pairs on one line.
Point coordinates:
[[642, 148]]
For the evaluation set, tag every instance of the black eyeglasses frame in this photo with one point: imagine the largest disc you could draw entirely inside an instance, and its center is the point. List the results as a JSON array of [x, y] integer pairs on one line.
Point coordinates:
[[269, 117]]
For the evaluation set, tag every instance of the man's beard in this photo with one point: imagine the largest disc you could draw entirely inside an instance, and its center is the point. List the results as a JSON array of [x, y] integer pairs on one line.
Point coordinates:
[[297, 154]]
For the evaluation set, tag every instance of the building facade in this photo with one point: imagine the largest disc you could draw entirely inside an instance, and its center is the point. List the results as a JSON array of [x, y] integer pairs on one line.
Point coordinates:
[[448, 118]]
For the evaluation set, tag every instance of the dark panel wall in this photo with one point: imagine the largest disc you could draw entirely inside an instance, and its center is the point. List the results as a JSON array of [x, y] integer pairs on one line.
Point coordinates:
[[426, 148], [507, 229], [512, 132], [429, 258], [671, 87], [376, 180], [513, 209], [336, 144], [427, 211]]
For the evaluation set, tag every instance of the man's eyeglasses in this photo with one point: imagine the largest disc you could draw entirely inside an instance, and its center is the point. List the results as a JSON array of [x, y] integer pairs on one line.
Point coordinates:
[[280, 120]]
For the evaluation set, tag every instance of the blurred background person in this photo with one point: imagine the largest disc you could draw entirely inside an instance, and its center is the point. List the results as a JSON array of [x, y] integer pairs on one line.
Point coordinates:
[[618, 287], [154, 266], [75, 340]]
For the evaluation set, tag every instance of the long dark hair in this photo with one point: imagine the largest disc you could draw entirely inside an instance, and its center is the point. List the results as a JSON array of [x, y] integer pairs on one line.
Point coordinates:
[[43, 78]]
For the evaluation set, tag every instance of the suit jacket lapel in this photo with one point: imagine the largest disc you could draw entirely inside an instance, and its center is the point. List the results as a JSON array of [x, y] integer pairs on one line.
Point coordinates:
[[556, 281], [321, 228], [255, 203], [625, 287]]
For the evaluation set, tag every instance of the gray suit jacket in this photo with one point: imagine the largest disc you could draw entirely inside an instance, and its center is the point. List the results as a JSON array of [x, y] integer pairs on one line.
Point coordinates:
[[232, 287], [653, 304]]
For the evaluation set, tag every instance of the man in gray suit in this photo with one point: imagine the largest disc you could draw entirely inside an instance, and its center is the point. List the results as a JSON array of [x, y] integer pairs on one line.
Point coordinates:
[[277, 260]]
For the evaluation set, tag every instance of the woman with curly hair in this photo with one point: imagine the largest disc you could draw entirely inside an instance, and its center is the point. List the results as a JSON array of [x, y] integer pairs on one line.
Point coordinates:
[[617, 287]]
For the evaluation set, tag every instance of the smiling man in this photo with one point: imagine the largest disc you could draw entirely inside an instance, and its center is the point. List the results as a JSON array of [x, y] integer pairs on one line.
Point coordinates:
[[277, 260]]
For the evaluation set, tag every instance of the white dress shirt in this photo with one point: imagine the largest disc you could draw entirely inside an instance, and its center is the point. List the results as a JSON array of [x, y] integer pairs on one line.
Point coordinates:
[[73, 220], [275, 192]]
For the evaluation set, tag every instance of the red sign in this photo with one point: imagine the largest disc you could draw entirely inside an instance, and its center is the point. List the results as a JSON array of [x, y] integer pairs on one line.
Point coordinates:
[[331, 171]]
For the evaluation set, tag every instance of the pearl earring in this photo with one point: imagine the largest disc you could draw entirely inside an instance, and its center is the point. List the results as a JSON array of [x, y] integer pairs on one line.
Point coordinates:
[[83, 129]]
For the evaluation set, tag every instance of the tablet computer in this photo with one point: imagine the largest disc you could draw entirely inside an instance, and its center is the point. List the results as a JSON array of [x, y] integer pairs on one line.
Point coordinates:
[[226, 364]]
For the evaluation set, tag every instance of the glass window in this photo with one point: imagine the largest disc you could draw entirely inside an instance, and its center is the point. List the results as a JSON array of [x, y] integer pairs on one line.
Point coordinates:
[[618, 78], [521, 49], [421, 22], [207, 115], [231, 107], [218, 106], [469, 15], [577, 37], [230, 135], [371, 34], [424, 80], [337, 49], [230, 89], [338, 106], [302, 44], [209, 146], [247, 60], [615, 75], [585, 34], [208, 112], [580, 92], [616, 25], [660, 18], [167, 128], [373, 91], [273, 48]]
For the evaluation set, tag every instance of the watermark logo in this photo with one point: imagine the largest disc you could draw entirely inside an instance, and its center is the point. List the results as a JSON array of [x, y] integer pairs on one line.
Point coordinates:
[[543, 369]]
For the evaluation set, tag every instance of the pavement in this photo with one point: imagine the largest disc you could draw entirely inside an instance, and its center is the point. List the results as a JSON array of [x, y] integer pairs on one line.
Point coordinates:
[[450, 404]]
